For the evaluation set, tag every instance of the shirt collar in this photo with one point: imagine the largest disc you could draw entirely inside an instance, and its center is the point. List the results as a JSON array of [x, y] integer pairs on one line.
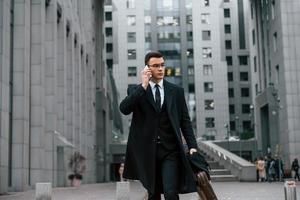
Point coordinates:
[[160, 83]]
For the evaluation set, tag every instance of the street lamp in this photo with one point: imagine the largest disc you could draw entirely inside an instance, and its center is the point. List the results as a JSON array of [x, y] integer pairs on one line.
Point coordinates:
[[227, 129], [239, 133]]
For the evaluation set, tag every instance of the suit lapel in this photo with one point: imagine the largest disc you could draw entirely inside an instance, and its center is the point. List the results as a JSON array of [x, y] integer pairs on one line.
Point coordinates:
[[168, 96], [150, 97]]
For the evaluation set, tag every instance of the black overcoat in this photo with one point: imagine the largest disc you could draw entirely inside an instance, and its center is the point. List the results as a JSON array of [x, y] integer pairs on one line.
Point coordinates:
[[141, 147]]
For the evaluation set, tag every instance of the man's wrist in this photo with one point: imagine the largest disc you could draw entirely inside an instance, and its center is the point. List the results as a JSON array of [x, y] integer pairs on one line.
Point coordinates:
[[144, 85]]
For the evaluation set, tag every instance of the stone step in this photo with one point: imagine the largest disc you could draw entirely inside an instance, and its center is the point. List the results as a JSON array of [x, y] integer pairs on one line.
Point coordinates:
[[214, 165], [220, 172], [223, 178]]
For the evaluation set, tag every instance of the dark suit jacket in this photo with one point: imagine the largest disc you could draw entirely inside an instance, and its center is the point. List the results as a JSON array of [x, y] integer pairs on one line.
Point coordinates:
[[140, 154]]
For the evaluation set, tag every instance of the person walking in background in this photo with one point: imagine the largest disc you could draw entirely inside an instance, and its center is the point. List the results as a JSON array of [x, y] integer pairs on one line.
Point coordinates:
[[272, 171], [261, 169], [155, 154], [295, 168]]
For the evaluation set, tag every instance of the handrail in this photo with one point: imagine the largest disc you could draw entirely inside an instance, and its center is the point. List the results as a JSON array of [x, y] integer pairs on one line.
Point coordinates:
[[244, 170]]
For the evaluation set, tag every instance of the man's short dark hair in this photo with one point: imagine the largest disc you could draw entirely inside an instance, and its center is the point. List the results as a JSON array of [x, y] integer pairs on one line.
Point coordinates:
[[152, 54]]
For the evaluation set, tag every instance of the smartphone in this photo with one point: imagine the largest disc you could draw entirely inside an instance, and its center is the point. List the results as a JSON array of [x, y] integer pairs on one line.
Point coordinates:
[[148, 68]]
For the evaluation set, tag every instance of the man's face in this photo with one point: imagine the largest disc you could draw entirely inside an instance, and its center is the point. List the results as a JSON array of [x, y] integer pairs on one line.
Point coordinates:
[[157, 66]]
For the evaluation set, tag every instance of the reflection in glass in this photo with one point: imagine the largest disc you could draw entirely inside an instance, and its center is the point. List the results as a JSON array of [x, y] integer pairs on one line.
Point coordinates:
[[205, 18], [131, 20], [131, 54], [206, 52]]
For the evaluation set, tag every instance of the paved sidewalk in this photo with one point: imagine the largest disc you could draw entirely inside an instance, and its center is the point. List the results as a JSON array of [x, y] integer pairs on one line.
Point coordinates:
[[107, 191]]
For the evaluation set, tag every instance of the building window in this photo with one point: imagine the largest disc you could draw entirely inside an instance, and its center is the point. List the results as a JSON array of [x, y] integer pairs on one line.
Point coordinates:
[[109, 63], [168, 4], [167, 21], [208, 87], [243, 60], [131, 21], [205, 18], [231, 92], [229, 60], [232, 126], [189, 19], [244, 76], [245, 92], [206, 35], [147, 36], [108, 16], [277, 74], [130, 4], [206, 2], [190, 70], [209, 104], [226, 12], [253, 37], [273, 9], [189, 35], [131, 37], [147, 20], [109, 47], [246, 125], [190, 53], [227, 28], [231, 109], [256, 89], [230, 76], [228, 44], [207, 70], [108, 32], [206, 52], [131, 71], [226, 1], [275, 41], [209, 122], [255, 64], [245, 108], [131, 54]]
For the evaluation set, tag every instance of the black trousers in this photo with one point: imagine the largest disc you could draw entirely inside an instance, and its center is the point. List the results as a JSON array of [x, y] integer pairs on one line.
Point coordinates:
[[167, 174]]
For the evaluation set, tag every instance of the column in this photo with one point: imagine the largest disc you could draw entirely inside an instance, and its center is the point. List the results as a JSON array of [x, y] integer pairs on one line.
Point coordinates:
[[21, 93], [38, 138], [61, 93], [51, 90], [5, 65]]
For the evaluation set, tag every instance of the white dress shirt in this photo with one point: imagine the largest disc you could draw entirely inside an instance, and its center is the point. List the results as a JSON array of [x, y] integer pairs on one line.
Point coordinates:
[[161, 90]]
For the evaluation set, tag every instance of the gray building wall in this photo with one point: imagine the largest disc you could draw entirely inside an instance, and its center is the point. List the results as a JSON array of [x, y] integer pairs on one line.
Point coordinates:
[[51, 66], [218, 74], [240, 120], [121, 47], [276, 76]]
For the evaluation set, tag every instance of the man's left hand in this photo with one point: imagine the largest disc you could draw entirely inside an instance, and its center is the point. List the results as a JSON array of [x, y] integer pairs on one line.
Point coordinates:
[[192, 150]]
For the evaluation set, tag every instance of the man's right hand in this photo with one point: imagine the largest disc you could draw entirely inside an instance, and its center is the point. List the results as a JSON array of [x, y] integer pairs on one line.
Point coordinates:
[[145, 76]]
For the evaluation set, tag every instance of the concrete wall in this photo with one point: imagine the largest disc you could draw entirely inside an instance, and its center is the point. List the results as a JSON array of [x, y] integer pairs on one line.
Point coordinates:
[[53, 75]]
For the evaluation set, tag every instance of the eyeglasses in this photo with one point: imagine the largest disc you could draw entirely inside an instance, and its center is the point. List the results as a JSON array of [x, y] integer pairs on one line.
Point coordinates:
[[162, 65]]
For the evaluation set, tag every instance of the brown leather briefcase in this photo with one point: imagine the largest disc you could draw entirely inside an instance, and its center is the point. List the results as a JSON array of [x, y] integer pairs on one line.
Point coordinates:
[[204, 187]]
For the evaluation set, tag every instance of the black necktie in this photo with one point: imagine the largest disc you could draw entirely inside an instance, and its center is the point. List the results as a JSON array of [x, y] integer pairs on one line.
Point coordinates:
[[157, 97]]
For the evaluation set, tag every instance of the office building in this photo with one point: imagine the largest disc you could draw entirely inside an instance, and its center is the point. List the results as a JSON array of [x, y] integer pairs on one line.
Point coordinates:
[[275, 57], [51, 70]]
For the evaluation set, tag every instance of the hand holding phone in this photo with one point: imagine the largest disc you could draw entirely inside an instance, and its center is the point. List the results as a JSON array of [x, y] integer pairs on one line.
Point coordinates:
[[146, 76]]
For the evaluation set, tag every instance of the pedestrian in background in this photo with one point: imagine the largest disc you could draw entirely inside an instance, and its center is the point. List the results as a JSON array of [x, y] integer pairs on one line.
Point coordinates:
[[295, 168], [155, 154], [261, 169], [272, 171]]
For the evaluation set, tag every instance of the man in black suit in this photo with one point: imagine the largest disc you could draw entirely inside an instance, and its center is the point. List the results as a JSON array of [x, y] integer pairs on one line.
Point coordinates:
[[155, 152]]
